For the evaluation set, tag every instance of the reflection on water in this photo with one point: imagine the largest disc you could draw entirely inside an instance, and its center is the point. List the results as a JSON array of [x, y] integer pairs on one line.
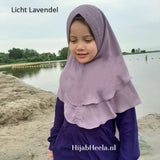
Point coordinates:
[[22, 72], [43, 76], [143, 68]]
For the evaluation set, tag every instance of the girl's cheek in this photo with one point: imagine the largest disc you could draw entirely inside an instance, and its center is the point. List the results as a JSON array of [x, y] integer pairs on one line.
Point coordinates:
[[71, 49]]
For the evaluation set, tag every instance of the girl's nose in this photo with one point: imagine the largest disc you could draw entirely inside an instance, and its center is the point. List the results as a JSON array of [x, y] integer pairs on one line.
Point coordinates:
[[80, 46]]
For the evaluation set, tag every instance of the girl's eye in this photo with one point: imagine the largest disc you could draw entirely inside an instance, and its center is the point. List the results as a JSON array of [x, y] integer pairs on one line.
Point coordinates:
[[88, 40], [72, 41]]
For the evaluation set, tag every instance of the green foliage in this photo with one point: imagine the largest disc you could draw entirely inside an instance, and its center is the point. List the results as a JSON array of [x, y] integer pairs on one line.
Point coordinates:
[[28, 53], [133, 50], [48, 56], [17, 55], [4, 58], [125, 53], [63, 52], [143, 51], [34, 59]]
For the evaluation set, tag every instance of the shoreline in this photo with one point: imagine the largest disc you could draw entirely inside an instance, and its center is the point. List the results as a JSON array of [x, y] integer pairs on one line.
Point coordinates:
[[21, 101], [27, 114], [22, 64]]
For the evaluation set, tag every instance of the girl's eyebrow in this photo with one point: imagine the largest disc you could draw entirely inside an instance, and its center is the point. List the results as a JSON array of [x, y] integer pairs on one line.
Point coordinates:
[[87, 35]]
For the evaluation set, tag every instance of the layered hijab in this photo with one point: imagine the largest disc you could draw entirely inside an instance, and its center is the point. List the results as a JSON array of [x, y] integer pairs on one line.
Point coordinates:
[[94, 92]]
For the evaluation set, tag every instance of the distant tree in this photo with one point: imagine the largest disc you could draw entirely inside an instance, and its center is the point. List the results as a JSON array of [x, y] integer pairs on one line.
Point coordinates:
[[138, 50], [54, 55], [63, 52], [125, 53], [44, 56], [28, 53], [2, 55], [133, 50], [143, 51], [15, 53]]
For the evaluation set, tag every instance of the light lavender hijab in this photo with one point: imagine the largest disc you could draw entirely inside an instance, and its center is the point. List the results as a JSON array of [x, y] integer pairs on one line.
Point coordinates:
[[94, 92]]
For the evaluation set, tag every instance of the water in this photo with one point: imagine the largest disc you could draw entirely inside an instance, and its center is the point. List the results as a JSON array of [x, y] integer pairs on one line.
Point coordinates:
[[145, 76]]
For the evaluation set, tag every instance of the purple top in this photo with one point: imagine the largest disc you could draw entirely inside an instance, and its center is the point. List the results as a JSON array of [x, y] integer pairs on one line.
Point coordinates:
[[64, 137]]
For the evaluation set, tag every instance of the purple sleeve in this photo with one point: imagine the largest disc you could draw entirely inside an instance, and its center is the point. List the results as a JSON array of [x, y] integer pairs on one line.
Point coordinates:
[[58, 121], [128, 134]]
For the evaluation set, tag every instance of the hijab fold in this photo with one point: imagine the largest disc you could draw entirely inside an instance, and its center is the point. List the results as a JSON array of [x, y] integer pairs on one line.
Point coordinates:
[[94, 92]]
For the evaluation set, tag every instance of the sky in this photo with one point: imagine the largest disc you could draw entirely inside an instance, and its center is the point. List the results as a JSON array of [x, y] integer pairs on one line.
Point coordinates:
[[136, 24]]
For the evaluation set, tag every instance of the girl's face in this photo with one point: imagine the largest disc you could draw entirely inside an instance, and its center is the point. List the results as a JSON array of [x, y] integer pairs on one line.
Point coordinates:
[[82, 44]]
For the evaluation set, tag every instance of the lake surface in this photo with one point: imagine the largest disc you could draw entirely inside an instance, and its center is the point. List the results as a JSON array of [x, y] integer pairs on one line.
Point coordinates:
[[145, 76]]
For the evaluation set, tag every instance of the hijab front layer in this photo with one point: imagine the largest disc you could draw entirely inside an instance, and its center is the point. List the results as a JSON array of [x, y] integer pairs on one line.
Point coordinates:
[[94, 92]]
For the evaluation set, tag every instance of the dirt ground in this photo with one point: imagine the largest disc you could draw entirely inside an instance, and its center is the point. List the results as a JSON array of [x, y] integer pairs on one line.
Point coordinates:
[[27, 114]]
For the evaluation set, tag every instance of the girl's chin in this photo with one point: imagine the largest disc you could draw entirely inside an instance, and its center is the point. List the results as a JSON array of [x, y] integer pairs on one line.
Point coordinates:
[[80, 60]]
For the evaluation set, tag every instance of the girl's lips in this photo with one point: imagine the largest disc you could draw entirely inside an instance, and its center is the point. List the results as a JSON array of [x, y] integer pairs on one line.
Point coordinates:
[[82, 55]]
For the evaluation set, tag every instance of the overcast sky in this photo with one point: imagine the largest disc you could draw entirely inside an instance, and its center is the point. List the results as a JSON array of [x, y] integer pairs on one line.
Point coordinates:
[[136, 23]]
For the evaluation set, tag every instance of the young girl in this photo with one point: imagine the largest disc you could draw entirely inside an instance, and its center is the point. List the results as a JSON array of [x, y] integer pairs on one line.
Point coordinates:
[[95, 97]]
